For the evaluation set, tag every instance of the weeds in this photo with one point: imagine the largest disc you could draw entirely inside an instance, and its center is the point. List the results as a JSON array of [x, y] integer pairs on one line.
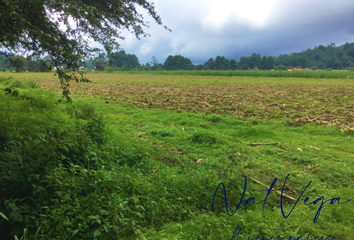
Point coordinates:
[[328, 73], [111, 171]]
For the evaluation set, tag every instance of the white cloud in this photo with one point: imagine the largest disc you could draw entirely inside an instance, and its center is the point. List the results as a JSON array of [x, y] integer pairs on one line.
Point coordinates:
[[252, 12], [232, 28], [145, 49]]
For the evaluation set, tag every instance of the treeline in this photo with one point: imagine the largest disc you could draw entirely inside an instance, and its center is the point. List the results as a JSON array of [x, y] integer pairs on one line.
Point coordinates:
[[320, 57], [20, 64]]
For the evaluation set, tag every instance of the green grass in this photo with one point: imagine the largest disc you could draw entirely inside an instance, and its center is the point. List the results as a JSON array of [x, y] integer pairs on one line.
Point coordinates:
[[114, 171], [344, 74]]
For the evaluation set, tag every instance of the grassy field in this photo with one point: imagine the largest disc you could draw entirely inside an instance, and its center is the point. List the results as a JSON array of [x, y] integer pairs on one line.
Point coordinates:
[[332, 74], [141, 157]]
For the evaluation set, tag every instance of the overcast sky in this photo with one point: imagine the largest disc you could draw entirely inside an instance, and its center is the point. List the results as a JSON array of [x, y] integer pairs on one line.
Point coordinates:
[[233, 28]]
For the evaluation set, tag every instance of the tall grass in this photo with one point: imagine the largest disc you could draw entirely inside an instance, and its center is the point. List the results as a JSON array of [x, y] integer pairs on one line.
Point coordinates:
[[343, 74], [92, 170]]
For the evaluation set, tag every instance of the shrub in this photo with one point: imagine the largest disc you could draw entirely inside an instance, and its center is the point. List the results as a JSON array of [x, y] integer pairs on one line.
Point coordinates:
[[281, 68], [85, 111], [109, 69], [6, 81], [31, 84], [17, 84]]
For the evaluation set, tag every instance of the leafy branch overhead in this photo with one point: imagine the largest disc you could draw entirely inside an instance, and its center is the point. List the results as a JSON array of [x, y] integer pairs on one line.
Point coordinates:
[[63, 29]]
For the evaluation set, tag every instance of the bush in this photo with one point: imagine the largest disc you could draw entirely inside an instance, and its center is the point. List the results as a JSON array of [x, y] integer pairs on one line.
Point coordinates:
[[57, 176], [83, 111], [109, 69], [10, 82], [281, 68], [31, 84], [6, 81], [17, 84]]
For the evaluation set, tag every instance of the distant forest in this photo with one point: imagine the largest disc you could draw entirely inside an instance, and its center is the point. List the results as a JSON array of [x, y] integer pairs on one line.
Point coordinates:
[[320, 57]]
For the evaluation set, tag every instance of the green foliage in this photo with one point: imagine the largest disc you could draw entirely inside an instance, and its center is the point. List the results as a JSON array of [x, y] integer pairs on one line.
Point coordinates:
[[146, 68], [39, 65], [331, 56], [222, 63], [260, 73], [91, 170], [215, 119], [95, 129], [161, 134], [203, 137], [154, 63], [83, 111], [281, 68], [31, 84], [255, 60], [16, 84], [48, 165], [10, 82], [27, 26], [100, 65], [68, 180], [122, 60], [6, 80], [210, 64], [178, 63], [108, 69], [18, 62]]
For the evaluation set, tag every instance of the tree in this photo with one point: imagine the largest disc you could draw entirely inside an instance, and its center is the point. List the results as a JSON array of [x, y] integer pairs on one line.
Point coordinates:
[[210, 64], [233, 64], [121, 59], [4, 61], [33, 66], [100, 65], [334, 63], [34, 27], [222, 63], [281, 68], [199, 67], [18, 62], [294, 62], [178, 62], [146, 67], [155, 63], [267, 63], [256, 60], [44, 65]]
